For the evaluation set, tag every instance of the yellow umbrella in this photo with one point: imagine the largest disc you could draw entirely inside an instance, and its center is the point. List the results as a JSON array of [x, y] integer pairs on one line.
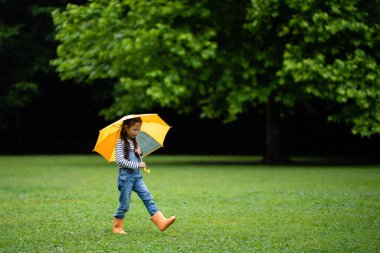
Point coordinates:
[[150, 138]]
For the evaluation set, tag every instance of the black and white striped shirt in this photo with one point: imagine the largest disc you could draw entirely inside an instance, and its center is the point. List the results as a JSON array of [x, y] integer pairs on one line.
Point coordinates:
[[119, 155]]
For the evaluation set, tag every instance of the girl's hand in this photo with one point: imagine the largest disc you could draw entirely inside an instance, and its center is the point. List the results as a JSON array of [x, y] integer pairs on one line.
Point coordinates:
[[138, 151], [142, 165]]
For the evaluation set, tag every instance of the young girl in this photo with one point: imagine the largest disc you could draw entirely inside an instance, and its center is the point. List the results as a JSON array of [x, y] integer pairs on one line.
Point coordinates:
[[128, 160]]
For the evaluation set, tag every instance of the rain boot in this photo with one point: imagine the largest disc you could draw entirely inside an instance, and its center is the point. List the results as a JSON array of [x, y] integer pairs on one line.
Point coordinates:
[[161, 222], [118, 226]]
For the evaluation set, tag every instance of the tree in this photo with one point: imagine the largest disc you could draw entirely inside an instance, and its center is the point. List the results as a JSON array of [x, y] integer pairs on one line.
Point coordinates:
[[223, 58], [17, 63], [26, 46], [324, 50]]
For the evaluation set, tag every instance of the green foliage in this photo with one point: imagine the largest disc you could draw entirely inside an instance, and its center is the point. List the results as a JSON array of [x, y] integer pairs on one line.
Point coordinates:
[[147, 47], [66, 204], [327, 50], [7, 32], [324, 50], [225, 58], [26, 45], [19, 94]]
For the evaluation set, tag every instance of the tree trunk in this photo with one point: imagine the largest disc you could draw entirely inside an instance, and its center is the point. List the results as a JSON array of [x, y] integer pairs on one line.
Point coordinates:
[[273, 154]]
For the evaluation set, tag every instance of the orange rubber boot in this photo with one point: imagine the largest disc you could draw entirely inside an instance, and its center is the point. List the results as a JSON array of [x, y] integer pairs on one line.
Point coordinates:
[[118, 226], [161, 222]]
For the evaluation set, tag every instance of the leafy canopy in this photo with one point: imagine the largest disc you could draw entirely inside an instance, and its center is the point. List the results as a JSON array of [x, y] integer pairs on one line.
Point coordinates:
[[224, 57], [327, 49]]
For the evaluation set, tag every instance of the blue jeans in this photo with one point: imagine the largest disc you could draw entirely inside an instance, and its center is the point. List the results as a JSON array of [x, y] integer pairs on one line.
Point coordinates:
[[127, 181]]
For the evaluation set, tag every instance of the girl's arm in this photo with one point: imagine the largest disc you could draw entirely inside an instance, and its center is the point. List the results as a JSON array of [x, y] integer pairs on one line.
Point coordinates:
[[119, 157], [138, 151]]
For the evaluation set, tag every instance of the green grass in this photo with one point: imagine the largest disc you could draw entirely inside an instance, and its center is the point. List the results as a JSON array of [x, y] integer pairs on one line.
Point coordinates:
[[66, 204]]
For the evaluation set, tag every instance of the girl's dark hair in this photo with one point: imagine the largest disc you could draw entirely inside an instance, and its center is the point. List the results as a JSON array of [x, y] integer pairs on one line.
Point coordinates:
[[124, 135]]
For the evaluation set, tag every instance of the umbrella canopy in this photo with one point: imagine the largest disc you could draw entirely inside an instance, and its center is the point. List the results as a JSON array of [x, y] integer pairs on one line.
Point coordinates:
[[150, 138]]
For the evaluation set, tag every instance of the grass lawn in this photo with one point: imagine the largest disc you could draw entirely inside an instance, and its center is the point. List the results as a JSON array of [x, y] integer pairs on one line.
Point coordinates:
[[66, 204]]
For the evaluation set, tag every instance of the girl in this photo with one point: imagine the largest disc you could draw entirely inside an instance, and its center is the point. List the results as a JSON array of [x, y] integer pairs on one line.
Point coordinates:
[[128, 160]]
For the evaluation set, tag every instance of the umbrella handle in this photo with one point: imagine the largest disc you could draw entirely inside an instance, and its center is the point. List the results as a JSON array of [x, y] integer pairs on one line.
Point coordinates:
[[147, 171]]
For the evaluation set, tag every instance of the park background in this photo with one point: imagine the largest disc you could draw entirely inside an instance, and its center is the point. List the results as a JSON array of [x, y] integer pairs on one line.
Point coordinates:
[[41, 114], [321, 195]]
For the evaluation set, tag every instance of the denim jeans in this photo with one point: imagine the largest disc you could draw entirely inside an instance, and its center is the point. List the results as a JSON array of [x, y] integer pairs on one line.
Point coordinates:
[[131, 180]]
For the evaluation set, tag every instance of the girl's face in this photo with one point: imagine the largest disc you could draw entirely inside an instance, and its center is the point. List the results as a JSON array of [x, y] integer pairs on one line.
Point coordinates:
[[133, 130]]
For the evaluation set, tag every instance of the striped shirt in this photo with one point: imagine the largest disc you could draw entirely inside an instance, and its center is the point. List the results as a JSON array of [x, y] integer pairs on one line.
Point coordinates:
[[119, 155]]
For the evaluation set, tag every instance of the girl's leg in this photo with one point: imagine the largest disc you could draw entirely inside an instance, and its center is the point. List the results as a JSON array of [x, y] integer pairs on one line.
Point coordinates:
[[144, 194], [125, 186], [156, 216]]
